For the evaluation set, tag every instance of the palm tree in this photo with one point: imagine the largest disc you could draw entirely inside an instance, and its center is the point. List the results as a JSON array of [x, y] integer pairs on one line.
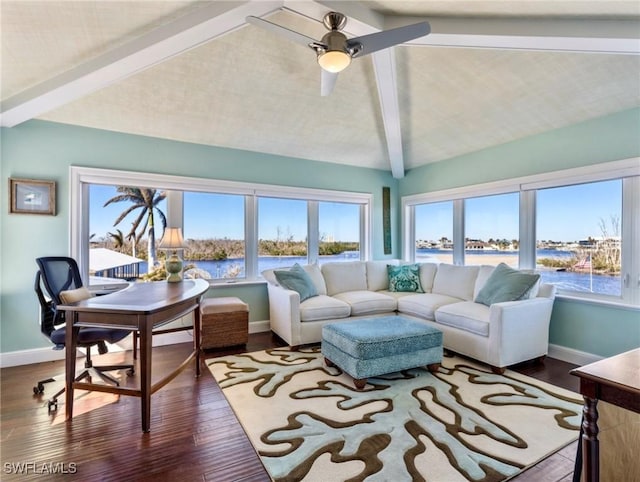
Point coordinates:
[[118, 239], [147, 201]]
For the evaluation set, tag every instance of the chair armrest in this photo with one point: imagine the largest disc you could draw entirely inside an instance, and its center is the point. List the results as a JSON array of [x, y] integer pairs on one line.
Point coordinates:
[[519, 330], [284, 313]]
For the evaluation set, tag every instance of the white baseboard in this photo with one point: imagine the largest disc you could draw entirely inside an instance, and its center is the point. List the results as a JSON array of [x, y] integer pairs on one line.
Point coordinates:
[[259, 326], [570, 355], [27, 357], [41, 355]]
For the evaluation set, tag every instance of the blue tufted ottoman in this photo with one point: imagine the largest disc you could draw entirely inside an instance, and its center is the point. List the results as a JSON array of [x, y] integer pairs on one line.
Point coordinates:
[[370, 347]]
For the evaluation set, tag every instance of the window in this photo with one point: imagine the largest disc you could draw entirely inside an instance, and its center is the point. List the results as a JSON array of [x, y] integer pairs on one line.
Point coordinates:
[[578, 228], [492, 230], [233, 230], [282, 232], [213, 230], [434, 232], [119, 228], [579, 243], [339, 232]]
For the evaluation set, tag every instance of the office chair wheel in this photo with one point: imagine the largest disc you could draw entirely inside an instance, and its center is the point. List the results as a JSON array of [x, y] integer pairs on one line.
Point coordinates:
[[52, 405], [39, 389]]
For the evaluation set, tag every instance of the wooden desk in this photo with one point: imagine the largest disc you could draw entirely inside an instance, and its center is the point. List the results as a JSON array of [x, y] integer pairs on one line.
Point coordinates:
[[615, 380], [140, 307]]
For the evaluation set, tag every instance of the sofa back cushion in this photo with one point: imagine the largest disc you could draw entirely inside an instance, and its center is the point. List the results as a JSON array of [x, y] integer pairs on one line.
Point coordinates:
[[344, 276], [456, 281], [427, 275], [377, 277], [313, 270]]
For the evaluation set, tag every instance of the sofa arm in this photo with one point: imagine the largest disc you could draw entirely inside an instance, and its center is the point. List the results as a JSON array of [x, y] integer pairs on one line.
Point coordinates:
[[518, 330], [284, 314]]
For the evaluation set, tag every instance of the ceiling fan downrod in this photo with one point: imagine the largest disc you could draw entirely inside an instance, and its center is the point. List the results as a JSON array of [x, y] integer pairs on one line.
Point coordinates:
[[334, 21]]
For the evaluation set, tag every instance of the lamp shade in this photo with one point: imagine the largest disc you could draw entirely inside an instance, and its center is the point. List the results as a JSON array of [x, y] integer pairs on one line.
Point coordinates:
[[334, 60], [172, 239]]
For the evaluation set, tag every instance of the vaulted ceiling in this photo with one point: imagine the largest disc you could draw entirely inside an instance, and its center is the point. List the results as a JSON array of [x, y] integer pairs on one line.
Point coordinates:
[[488, 73]]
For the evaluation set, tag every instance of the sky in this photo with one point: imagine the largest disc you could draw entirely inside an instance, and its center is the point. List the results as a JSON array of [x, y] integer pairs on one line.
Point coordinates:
[[218, 215], [564, 214]]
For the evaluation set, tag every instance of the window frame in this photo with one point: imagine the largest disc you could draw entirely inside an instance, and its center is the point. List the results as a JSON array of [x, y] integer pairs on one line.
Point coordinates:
[[626, 169], [81, 177]]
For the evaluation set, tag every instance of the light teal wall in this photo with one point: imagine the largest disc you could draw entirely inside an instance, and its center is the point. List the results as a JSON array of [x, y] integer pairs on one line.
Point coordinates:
[[44, 150], [599, 330], [593, 328], [604, 139]]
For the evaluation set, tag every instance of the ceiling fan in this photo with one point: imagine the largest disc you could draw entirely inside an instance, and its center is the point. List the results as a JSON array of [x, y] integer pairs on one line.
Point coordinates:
[[335, 50]]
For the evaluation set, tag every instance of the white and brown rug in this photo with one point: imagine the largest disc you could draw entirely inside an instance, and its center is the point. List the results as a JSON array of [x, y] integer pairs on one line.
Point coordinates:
[[308, 422]]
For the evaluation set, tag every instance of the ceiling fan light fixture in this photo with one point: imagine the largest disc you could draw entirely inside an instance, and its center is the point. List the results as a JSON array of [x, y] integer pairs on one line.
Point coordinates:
[[334, 61]]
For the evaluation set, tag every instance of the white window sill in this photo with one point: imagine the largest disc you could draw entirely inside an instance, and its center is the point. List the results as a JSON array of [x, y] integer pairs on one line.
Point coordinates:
[[618, 304]]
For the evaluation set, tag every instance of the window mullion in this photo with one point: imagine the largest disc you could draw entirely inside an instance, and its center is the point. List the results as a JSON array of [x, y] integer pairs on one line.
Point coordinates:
[[458, 232], [527, 223], [251, 236], [313, 232], [630, 240]]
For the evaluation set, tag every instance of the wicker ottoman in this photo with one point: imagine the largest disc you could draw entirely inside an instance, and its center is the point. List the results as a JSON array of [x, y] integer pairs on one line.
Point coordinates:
[[376, 346], [224, 322]]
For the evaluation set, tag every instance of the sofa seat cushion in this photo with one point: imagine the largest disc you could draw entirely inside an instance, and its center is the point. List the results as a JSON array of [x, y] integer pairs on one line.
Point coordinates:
[[396, 294], [323, 307], [367, 302], [467, 316], [424, 304]]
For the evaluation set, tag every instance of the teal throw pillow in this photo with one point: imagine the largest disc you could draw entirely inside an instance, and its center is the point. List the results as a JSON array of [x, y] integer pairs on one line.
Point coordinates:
[[506, 284], [297, 279], [404, 278]]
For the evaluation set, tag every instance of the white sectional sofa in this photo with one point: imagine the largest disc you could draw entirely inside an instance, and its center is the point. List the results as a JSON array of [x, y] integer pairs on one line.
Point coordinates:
[[500, 335]]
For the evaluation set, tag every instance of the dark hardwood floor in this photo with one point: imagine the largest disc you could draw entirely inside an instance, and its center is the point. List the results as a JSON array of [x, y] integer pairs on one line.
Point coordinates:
[[194, 433]]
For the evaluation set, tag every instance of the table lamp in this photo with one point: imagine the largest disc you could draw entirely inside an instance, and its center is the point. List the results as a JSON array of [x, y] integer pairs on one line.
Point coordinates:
[[172, 240]]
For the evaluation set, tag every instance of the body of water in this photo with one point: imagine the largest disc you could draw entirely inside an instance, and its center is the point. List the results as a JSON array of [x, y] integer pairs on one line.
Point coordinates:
[[582, 282]]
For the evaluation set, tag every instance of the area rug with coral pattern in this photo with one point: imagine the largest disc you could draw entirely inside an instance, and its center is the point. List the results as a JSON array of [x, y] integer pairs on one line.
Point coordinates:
[[308, 422]]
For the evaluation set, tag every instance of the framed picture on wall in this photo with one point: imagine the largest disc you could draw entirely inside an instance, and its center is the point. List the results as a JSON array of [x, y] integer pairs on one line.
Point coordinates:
[[31, 196]]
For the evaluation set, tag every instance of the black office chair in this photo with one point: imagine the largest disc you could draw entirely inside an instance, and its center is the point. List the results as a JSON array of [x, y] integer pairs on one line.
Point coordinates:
[[58, 274]]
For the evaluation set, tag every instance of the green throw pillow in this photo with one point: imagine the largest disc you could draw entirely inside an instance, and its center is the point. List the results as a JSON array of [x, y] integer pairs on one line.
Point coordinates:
[[297, 279], [506, 284], [404, 278]]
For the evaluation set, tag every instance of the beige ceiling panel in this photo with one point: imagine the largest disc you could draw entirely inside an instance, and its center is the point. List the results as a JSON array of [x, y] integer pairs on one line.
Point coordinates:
[[510, 8], [254, 90], [45, 38], [457, 101], [248, 90]]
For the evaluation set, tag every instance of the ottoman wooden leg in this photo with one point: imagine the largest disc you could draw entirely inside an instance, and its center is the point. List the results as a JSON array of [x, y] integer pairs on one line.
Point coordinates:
[[328, 362], [359, 383], [433, 367]]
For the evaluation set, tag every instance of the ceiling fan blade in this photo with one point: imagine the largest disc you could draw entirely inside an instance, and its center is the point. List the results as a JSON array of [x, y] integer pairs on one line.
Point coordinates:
[[272, 27], [327, 82], [388, 38]]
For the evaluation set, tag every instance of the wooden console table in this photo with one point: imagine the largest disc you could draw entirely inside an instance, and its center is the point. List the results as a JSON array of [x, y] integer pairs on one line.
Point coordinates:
[[140, 307], [615, 380]]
